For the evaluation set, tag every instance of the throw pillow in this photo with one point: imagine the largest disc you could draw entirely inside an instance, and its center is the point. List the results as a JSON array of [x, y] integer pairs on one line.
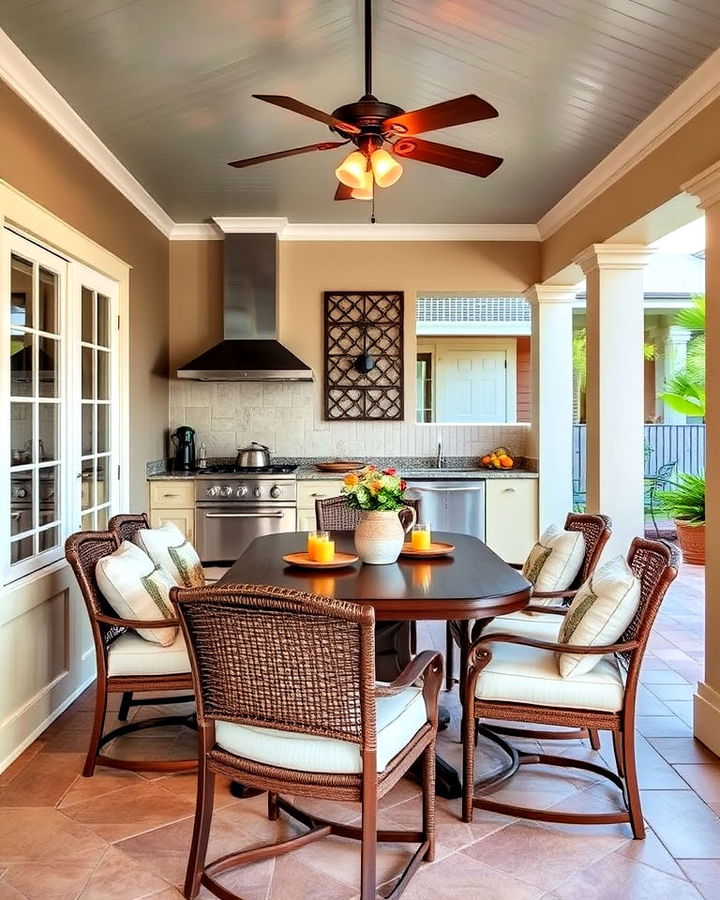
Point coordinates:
[[136, 588], [168, 547], [554, 561], [602, 609]]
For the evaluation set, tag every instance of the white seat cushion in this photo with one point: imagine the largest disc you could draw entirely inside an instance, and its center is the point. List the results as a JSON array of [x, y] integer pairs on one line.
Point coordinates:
[[518, 674], [540, 627], [602, 609], [137, 588], [555, 560], [399, 718], [168, 547], [131, 655]]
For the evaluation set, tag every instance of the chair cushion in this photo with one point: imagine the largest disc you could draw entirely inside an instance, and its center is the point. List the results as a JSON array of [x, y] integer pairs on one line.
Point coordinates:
[[540, 627], [131, 655], [603, 608], [168, 547], [399, 718], [137, 588], [554, 561], [518, 674]]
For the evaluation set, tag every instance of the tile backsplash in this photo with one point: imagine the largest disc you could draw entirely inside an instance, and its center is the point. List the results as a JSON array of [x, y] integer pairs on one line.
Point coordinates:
[[288, 419]]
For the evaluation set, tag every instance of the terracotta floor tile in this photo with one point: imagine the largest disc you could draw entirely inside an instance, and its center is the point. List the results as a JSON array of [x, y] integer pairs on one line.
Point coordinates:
[[136, 809], [9, 893], [683, 750], [119, 877], [49, 881], [648, 704], [289, 874], [704, 874], [618, 878], [677, 691], [461, 877], [184, 785], [683, 709], [687, 827], [251, 882], [703, 779], [44, 782], [340, 858], [654, 773], [652, 852], [662, 726], [539, 855], [45, 835], [25, 758], [104, 781]]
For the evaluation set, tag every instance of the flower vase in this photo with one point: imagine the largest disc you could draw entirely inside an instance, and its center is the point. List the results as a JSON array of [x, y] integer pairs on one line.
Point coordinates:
[[379, 536]]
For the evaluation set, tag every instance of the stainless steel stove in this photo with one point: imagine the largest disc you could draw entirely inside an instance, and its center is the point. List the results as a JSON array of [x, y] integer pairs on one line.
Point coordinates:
[[235, 505]]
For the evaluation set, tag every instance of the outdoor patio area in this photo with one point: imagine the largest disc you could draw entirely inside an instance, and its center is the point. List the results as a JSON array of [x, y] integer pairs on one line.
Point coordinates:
[[121, 835]]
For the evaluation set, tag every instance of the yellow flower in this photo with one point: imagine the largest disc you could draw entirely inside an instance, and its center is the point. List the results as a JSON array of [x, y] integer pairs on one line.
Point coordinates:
[[351, 480], [375, 487]]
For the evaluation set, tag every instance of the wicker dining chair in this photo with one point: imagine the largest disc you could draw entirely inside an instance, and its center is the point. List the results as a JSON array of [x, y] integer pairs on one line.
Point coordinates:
[[122, 667], [603, 702], [287, 702], [125, 526]]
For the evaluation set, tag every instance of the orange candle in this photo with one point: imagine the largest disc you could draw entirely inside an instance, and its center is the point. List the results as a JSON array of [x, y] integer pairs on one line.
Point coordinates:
[[420, 538], [324, 551]]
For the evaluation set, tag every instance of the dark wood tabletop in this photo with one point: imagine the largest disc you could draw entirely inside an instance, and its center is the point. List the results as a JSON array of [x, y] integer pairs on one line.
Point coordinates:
[[471, 583]]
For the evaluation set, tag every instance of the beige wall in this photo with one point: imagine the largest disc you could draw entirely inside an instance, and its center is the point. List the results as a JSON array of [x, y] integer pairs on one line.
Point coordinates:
[[37, 161], [646, 186], [289, 417]]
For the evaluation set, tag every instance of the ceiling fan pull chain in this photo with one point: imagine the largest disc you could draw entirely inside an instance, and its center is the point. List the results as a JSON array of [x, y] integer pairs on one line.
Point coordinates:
[[372, 209]]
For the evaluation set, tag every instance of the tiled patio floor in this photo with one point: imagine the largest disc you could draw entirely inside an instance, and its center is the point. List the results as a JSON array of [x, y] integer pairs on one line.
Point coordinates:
[[121, 836]]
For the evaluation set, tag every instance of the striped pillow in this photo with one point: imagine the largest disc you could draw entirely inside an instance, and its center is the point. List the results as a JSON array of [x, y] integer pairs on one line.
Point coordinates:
[[168, 547], [602, 609], [554, 561]]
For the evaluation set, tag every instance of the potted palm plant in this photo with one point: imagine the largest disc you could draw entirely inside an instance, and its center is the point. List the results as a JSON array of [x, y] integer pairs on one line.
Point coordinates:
[[684, 502]]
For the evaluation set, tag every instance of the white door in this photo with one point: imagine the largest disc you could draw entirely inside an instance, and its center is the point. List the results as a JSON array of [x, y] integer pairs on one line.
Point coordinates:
[[472, 386]]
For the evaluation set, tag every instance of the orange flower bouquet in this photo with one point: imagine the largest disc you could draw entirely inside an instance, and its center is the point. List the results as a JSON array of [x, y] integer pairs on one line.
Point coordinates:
[[373, 489]]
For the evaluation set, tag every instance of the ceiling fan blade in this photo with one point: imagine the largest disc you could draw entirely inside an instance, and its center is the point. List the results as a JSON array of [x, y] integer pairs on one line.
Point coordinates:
[[304, 110], [452, 112], [448, 157], [343, 192], [254, 160]]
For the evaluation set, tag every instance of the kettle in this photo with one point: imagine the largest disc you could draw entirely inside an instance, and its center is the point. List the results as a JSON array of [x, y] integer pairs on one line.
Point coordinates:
[[256, 456], [184, 442]]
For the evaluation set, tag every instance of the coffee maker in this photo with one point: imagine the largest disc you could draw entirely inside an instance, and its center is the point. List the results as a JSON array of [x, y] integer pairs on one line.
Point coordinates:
[[184, 443]]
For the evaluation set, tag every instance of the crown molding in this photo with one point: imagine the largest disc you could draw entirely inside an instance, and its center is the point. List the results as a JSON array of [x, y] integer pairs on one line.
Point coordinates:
[[30, 85], [195, 232], [614, 256], [705, 186], [698, 90], [251, 224]]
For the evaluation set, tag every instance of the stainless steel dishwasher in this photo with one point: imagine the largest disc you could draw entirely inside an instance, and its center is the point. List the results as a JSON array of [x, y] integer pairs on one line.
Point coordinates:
[[450, 504]]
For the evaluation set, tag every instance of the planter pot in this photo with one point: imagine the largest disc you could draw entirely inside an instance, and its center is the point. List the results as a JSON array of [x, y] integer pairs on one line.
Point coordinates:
[[379, 536], [692, 542]]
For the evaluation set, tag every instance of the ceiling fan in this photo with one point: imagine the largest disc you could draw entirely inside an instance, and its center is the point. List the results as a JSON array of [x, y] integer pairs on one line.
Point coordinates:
[[372, 125]]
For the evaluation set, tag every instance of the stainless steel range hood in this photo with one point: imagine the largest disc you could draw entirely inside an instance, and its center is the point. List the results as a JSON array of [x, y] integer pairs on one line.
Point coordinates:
[[250, 350]]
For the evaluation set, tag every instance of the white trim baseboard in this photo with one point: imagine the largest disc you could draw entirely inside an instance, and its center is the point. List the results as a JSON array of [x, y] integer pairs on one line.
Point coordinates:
[[30, 85]]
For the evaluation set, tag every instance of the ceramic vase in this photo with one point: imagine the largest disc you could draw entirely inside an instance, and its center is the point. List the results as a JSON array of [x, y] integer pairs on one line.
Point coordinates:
[[379, 536]]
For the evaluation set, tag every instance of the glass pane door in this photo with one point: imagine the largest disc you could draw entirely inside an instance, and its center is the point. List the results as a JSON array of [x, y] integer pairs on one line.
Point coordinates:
[[97, 365]]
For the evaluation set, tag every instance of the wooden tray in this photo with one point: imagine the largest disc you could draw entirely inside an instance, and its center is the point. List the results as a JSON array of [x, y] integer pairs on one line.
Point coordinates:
[[340, 465], [303, 559], [437, 548]]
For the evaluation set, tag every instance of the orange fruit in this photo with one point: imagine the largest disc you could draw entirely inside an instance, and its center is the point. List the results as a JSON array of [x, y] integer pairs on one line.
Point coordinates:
[[506, 462], [485, 460]]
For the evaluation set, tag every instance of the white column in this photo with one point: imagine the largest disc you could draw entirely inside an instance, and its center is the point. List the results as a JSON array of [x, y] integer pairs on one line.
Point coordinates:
[[674, 359], [615, 407], [552, 398], [707, 700]]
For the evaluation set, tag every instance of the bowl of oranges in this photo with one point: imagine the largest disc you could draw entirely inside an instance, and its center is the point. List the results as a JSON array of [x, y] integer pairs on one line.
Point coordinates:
[[499, 458]]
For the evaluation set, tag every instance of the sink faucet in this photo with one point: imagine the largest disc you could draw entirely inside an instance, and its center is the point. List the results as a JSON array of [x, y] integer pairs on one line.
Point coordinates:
[[439, 460]]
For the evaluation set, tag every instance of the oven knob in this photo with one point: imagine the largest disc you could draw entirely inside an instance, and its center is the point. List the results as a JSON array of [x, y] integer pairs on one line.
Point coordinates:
[[213, 491], [21, 493], [257, 492], [241, 491], [226, 491], [274, 492]]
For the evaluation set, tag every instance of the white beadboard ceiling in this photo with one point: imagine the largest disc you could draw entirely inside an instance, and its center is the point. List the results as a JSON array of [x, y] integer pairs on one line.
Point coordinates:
[[166, 84]]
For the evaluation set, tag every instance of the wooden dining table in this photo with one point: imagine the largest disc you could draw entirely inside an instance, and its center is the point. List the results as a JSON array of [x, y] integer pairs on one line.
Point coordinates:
[[472, 583]]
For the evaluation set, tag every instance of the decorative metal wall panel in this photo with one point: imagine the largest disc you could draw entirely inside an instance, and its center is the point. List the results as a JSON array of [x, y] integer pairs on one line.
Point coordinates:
[[359, 323]]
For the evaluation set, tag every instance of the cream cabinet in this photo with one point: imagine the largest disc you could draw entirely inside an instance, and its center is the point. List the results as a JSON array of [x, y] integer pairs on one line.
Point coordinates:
[[173, 501], [310, 491], [511, 516]]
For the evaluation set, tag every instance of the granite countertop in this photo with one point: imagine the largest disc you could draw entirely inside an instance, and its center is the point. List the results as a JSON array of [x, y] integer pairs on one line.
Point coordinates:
[[424, 474]]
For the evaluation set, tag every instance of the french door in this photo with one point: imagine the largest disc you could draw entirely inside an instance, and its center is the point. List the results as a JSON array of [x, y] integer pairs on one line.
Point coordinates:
[[60, 385]]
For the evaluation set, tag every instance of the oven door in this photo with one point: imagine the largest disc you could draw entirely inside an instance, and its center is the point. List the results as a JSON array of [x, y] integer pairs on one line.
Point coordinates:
[[224, 530]]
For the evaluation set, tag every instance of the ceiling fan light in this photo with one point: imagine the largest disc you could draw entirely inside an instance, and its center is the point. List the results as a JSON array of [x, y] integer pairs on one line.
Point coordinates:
[[366, 191], [385, 169], [351, 171]]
